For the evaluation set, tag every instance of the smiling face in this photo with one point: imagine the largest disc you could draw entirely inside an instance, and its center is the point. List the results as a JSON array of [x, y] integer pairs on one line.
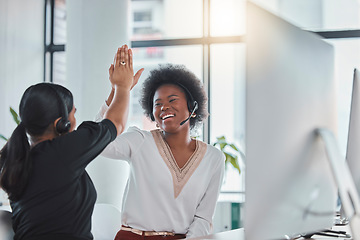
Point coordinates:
[[170, 108]]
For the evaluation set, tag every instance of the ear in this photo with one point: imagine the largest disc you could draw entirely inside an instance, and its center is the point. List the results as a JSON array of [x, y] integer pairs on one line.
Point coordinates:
[[55, 123]]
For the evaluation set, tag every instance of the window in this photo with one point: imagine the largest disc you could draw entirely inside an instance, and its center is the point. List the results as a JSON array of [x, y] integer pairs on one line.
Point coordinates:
[[54, 41], [208, 37]]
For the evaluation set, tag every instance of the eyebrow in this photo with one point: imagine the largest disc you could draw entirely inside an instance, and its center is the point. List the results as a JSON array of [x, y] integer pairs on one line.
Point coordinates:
[[172, 95]]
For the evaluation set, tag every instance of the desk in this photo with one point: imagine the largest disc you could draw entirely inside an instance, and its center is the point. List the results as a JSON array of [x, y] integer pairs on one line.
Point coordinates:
[[239, 234]]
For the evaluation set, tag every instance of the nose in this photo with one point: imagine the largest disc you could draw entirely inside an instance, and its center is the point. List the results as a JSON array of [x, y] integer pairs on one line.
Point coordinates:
[[164, 107]]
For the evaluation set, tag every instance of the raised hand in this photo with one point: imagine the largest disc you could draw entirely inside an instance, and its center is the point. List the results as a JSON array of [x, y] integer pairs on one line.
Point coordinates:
[[121, 71], [126, 52]]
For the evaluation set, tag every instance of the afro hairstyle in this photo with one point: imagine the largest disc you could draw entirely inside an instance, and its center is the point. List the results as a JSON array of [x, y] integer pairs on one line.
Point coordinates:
[[180, 76]]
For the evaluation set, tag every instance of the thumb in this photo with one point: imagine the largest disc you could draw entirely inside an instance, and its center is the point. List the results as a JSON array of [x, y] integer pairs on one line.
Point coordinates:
[[137, 76], [111, 69]]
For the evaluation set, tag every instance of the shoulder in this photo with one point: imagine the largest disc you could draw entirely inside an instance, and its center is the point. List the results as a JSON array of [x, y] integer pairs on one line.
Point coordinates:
[[96, 128], [136, 130], [135, 134], [214, 158], [91, 124], [214, 154], [214, 151]]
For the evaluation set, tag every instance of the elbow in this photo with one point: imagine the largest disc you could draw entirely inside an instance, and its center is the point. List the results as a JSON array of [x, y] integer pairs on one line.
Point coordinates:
[[120, 129]]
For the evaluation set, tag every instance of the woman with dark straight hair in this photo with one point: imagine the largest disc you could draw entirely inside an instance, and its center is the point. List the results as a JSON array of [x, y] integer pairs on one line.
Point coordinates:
[[42, 166]]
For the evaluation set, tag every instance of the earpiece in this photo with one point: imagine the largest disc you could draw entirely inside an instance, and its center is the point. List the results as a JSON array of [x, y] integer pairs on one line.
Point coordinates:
[[191, 114], [63, 126], [191, 103]]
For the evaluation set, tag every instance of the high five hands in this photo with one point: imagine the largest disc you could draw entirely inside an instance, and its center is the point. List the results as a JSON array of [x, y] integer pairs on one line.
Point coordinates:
[[121, 72]]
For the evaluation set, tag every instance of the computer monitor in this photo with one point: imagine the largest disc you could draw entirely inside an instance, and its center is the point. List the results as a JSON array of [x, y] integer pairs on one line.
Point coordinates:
[[353, 145], [290, 92], [348, 176]]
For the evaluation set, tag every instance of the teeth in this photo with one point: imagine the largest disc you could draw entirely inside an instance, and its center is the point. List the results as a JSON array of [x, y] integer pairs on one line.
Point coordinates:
[[167, 116]]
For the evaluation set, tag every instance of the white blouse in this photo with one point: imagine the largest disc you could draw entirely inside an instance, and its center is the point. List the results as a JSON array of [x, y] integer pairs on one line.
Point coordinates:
[[160, 196]]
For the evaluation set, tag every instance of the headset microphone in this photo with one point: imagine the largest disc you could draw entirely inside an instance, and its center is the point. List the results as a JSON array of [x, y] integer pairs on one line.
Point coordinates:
[[192, 112]]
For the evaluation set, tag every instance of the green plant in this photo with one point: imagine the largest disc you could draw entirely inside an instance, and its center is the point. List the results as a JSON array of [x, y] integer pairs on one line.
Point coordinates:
[[231, 152], [16, 120]]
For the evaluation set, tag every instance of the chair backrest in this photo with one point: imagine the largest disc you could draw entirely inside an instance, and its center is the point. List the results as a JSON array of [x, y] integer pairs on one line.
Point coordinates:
[[106, 221], [6, 230]]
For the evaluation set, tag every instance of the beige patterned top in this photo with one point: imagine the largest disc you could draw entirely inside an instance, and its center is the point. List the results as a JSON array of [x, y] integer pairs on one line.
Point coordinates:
[[180, 175]]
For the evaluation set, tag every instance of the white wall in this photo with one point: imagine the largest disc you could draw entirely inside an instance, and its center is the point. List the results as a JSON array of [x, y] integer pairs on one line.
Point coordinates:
[[95, 29], [21, 56]]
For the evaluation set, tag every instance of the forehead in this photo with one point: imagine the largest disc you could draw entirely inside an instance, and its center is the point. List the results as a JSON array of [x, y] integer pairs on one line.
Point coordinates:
[[167, 90]]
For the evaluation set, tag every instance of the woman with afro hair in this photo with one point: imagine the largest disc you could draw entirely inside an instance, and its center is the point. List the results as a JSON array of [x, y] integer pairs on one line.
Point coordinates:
[[174, 179]]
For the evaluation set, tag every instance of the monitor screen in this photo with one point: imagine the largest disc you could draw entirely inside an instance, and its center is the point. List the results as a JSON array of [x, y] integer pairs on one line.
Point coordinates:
[[290, 92], [353, 146]]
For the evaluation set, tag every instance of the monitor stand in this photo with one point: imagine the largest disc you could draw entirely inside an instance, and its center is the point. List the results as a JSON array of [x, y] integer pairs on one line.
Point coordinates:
[[349, 196]]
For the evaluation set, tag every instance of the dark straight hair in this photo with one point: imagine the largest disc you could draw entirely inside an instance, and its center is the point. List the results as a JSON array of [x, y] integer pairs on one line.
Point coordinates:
[[39, 108]]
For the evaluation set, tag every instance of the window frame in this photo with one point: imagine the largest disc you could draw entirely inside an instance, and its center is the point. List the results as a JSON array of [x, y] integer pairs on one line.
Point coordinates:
[[205, 41], [50, 48]]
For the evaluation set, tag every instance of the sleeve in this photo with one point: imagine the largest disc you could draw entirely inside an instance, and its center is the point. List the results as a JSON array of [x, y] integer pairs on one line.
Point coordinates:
[[202, 223], [125, 145], [85, 143], [100, 115]]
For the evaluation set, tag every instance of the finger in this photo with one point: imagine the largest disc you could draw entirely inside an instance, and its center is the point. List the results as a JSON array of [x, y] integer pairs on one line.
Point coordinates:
[[122, 55], [130, 58], [117, 61], [115, 58], [126, 54]]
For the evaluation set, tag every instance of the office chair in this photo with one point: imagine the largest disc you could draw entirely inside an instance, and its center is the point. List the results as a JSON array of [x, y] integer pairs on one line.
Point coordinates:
[[6, 231], [106, 221]]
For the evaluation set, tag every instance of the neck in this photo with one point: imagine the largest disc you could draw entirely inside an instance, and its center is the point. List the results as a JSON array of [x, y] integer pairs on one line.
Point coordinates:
[[178, 140], [34, 140]]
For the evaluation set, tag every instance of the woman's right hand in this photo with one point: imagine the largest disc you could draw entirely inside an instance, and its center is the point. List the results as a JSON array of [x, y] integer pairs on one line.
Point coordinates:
[[121, 71], [111, 74]]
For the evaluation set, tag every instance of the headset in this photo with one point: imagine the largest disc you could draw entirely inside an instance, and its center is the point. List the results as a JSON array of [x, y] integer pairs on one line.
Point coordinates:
[[63, 125], [191, 103]]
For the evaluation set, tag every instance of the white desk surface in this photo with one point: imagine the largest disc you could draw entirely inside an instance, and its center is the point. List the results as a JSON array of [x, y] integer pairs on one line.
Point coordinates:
[[239, 234]]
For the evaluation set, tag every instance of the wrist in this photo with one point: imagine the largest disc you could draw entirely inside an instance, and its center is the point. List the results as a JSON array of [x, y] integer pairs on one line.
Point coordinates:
[[121, 88]]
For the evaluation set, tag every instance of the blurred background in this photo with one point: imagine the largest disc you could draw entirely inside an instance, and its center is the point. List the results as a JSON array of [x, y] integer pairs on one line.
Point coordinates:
[[72, 43]]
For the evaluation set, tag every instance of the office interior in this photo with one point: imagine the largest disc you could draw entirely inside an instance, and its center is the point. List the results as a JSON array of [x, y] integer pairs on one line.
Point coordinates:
[[73, 43]]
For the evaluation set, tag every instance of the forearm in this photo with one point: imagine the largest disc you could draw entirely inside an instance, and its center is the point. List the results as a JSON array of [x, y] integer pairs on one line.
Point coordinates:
[[199, 227], [110, 97], [202, 223], [119, 108]]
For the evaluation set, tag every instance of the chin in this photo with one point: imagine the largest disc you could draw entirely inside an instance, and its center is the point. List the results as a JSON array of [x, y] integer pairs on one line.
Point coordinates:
[[171, 129]]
